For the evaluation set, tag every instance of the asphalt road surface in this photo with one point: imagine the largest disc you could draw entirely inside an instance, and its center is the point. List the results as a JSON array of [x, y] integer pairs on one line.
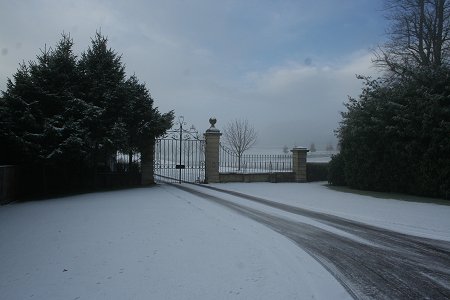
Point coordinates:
[[378, 264]]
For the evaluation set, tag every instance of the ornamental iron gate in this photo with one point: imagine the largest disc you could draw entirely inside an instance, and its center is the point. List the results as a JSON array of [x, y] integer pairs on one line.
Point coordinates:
[[180, 155]]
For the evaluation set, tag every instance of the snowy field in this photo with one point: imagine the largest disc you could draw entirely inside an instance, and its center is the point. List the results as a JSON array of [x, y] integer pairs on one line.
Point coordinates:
[[320, 156], [164, 243]]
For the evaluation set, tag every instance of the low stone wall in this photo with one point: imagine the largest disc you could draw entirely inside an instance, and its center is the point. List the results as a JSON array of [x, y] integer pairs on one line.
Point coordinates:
[[314, 172], [9, 176], [257, 177]]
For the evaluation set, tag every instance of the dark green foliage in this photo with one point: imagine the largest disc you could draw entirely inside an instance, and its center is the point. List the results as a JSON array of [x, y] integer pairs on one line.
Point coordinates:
[[44, 116], [336, 175], [62, 119], [316, 171], [396, 136], [141, 120], [102, 79]]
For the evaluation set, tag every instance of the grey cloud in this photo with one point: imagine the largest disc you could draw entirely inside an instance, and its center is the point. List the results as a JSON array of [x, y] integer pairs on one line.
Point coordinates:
[[199, 59]]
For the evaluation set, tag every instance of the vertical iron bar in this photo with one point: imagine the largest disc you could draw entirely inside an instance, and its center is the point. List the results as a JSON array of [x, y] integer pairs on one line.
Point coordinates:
[[181, 140]]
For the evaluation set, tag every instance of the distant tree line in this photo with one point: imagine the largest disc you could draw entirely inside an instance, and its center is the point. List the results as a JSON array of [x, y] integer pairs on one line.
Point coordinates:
[[63, 118], [396, 136]]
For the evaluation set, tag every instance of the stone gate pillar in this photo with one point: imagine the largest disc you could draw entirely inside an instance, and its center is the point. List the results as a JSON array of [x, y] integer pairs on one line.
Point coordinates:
[[147, 167], [212, 141], [299, 163]]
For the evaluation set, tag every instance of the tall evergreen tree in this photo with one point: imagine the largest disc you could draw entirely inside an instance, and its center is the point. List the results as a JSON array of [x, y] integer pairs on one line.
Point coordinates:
[[102, 82], [143, 122], [45, 120], [17, 118], [62, 117], [39, 107]]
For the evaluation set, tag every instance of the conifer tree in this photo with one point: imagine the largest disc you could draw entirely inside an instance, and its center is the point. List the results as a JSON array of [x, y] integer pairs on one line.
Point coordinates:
[[143, 122], [61, 116], [102, 81], [42, 109]]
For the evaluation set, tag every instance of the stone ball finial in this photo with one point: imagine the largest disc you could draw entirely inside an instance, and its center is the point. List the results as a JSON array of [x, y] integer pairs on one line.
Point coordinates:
[[212, 121], [213, 129]]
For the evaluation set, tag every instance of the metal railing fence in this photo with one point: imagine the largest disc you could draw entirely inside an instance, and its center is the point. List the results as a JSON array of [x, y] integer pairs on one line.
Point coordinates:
[[229, 162]]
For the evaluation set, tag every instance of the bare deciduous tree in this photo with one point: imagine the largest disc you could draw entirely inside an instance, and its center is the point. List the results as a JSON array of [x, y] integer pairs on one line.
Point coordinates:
[[240, 136], [419, 35]]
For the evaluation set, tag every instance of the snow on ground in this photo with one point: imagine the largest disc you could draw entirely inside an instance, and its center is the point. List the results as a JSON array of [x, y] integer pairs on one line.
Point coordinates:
[[164, 243], [412, 217], [152, 243]]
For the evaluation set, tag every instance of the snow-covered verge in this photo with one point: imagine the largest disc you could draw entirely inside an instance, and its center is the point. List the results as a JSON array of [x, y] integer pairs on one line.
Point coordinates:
[[151, 243], [414, 216]]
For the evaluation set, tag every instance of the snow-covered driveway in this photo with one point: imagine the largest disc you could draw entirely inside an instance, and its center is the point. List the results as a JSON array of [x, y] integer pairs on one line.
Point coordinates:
[[150, 243], [169, 243], [371, 262]]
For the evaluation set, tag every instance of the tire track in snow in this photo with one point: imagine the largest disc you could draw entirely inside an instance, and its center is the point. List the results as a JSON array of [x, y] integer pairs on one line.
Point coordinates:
[[397, 266]]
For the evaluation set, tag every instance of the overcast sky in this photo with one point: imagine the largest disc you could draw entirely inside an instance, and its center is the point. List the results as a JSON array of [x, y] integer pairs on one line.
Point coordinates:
[[286, 66]]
